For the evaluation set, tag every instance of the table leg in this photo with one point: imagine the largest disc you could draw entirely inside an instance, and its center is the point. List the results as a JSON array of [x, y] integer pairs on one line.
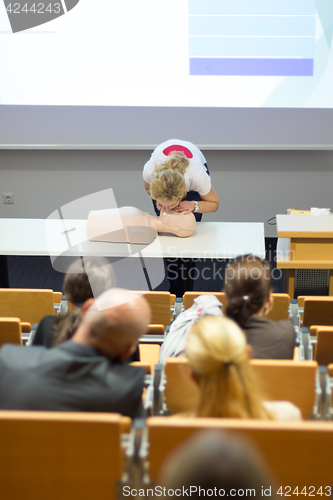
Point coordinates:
[[4, 276]]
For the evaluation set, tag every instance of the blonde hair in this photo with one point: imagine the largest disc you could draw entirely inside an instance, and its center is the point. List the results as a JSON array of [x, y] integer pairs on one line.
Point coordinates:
[[217, 355], [169, 182]]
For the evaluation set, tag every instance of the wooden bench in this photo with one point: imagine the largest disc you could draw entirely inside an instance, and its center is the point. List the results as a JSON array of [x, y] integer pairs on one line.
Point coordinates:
[[280, 306], [299, 454], [280, 380], [30, 305], [53, 456]]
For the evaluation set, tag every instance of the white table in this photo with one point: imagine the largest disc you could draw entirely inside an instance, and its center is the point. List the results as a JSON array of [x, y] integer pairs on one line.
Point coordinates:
[[210, 240]]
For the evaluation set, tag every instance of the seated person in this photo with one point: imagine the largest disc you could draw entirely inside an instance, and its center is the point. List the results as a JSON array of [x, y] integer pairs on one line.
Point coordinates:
[[218, 357], [248, 290], [175, 340], [80, 284], [78, 287], [88, 372], [215, 459]]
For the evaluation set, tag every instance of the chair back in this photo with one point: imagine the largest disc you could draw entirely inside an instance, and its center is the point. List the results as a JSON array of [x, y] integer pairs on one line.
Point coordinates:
[[150, 353], [288, 380], [188, 298], [280, 307], [181, 392], [279, 310], [10, 331], [318, 311], [279, 380], [60, 455], [290, 449], [324, 345], [57, 297], [155, 330], [160, 303], [30, 305]]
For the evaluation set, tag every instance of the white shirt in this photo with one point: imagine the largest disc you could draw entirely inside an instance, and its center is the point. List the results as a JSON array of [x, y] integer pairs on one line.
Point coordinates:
[[283, 410], [196, 177]]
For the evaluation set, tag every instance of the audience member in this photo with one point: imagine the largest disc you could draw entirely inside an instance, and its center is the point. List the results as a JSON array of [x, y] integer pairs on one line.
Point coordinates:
[[86, 373], [219, 360], [85, 279], [215, 461], [248, 290], [175, 341]]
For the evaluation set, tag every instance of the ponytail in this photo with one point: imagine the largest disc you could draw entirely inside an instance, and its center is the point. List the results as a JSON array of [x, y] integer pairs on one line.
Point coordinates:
[[247, 286], [65, 326]]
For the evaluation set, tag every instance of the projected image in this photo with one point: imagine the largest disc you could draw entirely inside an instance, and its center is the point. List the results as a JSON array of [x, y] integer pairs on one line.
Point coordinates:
[[195, 53], [252, 38]]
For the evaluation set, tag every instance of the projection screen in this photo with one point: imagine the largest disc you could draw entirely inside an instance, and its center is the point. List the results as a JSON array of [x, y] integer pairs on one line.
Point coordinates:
[[222, 74]]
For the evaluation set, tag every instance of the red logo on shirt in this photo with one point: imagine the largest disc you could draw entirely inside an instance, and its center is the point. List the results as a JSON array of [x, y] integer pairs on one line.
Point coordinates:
[[177, 147]]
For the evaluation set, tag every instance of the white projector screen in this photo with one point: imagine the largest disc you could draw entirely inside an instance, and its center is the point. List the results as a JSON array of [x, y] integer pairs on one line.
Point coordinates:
[[110, 74]]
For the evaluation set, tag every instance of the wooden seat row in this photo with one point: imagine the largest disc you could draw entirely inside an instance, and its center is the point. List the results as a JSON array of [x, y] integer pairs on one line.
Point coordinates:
[[298, 454], [29, 305], [315, 310], [279, 310], [73, 455], [280, 380], [315, 317]]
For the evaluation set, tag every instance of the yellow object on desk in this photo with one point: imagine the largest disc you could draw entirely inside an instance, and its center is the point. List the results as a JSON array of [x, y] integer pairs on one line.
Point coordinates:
[[292, 211]]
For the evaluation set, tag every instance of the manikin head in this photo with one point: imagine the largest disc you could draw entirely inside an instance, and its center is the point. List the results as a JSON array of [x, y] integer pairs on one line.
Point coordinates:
[[176, 223]]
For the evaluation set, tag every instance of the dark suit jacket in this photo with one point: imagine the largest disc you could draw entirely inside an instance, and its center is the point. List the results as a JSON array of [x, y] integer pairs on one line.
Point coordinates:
[[69, 377], [270, 339]]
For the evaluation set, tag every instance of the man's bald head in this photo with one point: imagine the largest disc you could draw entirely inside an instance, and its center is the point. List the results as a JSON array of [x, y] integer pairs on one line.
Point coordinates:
[[114, 322]]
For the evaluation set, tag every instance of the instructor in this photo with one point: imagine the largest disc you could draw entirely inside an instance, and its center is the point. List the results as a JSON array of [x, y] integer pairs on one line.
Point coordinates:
[[177, 178]]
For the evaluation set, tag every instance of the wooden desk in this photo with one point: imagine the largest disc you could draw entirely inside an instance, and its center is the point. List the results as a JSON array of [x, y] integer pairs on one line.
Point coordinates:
[[305, 242]]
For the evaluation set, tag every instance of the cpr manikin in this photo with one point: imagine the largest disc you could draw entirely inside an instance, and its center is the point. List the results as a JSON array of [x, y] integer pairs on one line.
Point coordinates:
[[132, 225]]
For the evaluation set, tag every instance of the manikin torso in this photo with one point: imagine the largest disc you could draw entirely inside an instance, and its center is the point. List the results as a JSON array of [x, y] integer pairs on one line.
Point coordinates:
[[132, 225]]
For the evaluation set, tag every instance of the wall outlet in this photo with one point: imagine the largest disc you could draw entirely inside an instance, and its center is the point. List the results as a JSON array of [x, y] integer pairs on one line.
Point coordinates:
[[8, 198]]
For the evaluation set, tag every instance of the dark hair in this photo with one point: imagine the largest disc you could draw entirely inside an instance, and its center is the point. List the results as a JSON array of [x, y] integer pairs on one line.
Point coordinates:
[[85, 279], [65, 325], [216, 459], [247, 285]]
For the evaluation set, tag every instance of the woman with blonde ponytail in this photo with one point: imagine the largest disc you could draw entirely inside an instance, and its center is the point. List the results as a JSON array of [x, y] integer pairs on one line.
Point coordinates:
[[177, 178], [218, 356]]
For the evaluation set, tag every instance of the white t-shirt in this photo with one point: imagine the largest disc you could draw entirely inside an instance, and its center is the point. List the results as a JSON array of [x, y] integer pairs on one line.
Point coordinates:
[[196, 177], [283, 410]]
